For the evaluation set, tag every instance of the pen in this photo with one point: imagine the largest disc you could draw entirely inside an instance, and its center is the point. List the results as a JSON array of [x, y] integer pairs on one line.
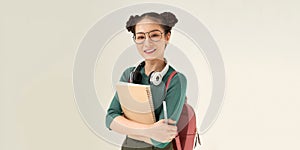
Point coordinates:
[[165, 112]]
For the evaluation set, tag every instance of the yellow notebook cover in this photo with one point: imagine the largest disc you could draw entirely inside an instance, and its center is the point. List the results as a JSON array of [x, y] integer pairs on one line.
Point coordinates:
[[136, 102]]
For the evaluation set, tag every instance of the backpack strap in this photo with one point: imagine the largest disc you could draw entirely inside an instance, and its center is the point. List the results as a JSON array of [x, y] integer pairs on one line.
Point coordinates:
[[178, 143], [177, 140], [169, 79]]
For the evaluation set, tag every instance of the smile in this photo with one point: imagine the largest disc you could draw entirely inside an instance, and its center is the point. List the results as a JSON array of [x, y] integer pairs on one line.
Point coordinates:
[[150, 51]]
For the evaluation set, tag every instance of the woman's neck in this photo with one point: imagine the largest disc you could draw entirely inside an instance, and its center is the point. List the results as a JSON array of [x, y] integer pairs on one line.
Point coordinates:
[[154, 65]]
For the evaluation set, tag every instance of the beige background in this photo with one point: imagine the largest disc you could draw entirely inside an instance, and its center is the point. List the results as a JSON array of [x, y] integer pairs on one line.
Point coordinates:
[[258, 39]]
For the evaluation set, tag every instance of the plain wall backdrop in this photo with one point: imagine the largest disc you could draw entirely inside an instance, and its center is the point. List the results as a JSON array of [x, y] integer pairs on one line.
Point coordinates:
[[258, 40]]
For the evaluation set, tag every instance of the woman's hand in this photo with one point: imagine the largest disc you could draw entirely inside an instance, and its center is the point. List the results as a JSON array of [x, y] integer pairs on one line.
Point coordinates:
[[162, 132]]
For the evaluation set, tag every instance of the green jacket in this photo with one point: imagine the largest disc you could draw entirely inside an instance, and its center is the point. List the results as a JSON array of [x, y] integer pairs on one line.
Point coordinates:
[[175, 98]]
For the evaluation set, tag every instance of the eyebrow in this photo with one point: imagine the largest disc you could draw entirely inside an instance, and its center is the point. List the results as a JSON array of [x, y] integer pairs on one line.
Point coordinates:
[[148, 32]]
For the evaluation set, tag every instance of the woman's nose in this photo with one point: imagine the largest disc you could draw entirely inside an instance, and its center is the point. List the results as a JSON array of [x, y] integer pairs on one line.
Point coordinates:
[[147, 41]]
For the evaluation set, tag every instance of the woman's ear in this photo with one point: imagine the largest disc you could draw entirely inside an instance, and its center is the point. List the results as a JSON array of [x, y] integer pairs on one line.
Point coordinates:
[[167, 37]]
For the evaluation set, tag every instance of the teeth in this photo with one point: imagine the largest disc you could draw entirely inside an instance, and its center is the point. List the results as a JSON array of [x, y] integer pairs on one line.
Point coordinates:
[[149, 51]]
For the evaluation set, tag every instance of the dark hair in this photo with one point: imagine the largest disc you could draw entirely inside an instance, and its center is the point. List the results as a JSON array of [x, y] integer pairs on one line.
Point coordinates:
[[166, 20]]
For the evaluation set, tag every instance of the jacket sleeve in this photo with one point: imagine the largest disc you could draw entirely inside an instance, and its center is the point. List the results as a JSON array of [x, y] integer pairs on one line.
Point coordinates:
[[175, 100], [115, 109]]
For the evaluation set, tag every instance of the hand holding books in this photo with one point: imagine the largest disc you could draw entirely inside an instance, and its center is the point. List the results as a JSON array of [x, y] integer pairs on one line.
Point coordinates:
[[163, 131], [137, 105]]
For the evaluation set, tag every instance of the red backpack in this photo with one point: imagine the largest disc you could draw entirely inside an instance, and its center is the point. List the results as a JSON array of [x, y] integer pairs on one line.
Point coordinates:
[[186, 126]]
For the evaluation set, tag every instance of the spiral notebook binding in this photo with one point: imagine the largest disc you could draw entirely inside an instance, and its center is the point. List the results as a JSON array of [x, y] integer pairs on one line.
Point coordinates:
[[148, 90]]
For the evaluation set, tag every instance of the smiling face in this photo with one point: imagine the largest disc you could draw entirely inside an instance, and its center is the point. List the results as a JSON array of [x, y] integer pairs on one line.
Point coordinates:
[[150, 49]]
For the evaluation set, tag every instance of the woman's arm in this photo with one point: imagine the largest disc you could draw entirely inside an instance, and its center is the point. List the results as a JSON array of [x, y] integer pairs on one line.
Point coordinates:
[[117, 122], [124, 126], [159, 131], [175, 100]]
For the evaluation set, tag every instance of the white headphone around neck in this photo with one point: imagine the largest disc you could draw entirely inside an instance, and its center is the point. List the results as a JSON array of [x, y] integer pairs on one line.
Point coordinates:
[[155, 77]]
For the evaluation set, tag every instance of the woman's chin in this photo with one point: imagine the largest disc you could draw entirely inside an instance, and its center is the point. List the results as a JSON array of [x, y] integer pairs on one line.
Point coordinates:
[[149, 58], [153, 58]]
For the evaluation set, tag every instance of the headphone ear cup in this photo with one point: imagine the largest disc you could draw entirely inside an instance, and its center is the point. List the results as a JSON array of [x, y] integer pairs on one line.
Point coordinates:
[[150, 77], [137, 77], [155, 78]]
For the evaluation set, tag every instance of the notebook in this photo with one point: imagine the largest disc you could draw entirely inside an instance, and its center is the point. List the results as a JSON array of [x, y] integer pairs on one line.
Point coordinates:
[[136, 102]]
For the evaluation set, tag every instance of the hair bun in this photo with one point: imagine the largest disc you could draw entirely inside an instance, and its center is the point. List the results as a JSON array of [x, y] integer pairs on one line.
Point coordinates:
[[170, 18], [131, 22]]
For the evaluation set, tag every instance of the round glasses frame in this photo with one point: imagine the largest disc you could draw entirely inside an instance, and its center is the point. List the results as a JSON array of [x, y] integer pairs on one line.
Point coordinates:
[[149, 36]]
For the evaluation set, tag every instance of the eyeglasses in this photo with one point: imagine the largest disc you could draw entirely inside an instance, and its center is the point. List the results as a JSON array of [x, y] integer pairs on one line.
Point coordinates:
[[154, 36]]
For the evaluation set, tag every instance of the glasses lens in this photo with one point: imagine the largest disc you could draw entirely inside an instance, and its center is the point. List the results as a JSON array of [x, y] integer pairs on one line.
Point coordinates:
[[155, 35], [140, 37]]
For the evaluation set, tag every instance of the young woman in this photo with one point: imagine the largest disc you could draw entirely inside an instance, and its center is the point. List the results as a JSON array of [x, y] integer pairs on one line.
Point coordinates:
[[151, 33]]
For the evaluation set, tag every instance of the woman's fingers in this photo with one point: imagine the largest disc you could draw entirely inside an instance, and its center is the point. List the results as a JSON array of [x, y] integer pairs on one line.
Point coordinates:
[[161, 131], [172, 128], [170, 121]]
